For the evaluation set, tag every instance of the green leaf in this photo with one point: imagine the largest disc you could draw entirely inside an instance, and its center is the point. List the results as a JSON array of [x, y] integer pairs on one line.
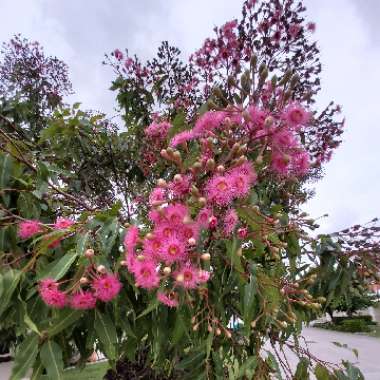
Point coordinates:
[[302, 372], [58, 268], [82, 240], [321, 372], [51, 358], [10, 280], [25, 357], [152, 306], [107, 333], [65, 318]]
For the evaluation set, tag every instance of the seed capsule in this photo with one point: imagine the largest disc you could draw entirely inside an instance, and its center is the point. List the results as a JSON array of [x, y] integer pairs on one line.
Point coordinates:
[[206, 257], [89, 253], [101, 269]]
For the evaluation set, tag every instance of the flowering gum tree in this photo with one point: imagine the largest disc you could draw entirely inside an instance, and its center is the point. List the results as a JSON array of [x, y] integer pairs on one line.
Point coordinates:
[[181, 252]]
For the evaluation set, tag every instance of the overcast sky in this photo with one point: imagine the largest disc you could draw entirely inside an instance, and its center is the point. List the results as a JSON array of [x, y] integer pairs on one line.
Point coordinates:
[[80, 32]]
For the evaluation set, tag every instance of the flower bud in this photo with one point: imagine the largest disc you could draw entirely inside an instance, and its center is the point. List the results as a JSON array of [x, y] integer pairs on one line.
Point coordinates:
[[161, 183], [89, 253], [123, 263], [83, 280], [206, 257], [197, 166], [140, 257], [259, 159], [209, 328], [220, 169], [195, 327], [268, 121], [170, 151], [241, 160], [192, 241], [253, 324], [194, 191], [242, 232], [149, 236], [212, 221], [228, 334], [218, 331], [101, 269], [202, 201], [210, 164], [246, 116], [178, 178], [180, 278], [177, 155], [187, 220], [167, 271], [164, 154]]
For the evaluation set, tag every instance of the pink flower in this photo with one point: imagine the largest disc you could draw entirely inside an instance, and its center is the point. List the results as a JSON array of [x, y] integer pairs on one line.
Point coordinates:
[[301, 163], [106, 287], [165, 230], [146, 275], [203, 276], [208, 122], [29, 228], [294, 30], [203, 217], [51, 295], [173, 250], [220, 190], [257, 116], [175, 213], [189, 276], [83, 300], [242, 232], [152, 247], [181, 187], [158, 130], [63, 223], [280, 163], [190, 230], [48, 284], [242, 178], [156, 196], [230, 220], [130, 239], [311, 26], [154, 216], [295, 116], [213, 222], [118, 54], [181, 138], [169, 300]]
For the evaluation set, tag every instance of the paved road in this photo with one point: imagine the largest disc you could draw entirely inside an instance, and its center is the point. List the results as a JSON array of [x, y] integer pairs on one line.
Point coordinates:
[[319, 343]]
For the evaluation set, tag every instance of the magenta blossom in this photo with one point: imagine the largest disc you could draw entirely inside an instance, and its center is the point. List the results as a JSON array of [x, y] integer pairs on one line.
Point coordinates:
[[106, 287], [83, 300], [29, 228]]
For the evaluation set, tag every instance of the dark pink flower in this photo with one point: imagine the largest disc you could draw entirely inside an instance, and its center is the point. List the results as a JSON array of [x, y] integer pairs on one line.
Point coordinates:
[[83, 300], [169, 300], [146, 275], [106, 287], [29, 228], [63, 223], [229, 222]]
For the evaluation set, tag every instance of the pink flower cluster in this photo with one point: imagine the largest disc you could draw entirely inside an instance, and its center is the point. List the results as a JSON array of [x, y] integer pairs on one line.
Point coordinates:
[[30, 228], [169, 249], [158, 130], [104, 287]]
